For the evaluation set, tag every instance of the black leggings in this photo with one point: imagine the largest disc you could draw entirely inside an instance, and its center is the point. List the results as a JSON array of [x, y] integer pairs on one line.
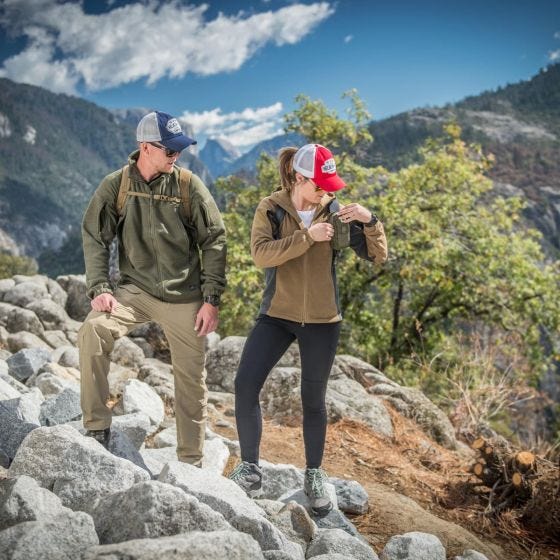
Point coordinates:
[[268, 340]]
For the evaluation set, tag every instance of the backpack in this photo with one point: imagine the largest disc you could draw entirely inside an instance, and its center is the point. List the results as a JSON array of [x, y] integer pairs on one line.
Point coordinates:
[[184, 182]]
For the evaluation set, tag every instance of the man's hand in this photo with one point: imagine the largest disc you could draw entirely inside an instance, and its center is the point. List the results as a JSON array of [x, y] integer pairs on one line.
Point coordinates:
[[104, 303], [206, 319]]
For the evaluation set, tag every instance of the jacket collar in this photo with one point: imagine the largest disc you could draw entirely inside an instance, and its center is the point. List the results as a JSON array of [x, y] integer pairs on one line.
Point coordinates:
[[283, 199]]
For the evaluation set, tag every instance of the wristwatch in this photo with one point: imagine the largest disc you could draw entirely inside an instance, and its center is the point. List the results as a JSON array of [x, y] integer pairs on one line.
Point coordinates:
[[373, 221], [212, 300]]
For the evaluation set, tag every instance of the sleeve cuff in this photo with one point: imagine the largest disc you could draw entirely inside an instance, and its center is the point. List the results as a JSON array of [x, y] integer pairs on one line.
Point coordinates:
[[104, 288]]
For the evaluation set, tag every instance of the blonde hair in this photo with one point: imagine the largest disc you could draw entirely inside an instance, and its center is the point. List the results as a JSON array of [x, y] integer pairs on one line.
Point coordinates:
[[286, 167]]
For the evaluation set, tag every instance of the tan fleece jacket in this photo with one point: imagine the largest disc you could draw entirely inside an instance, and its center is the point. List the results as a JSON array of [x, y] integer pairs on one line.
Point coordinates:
[[300, 273]]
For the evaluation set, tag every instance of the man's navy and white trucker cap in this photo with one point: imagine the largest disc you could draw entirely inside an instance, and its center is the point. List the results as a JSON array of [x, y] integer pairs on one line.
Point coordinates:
[[163, 128]]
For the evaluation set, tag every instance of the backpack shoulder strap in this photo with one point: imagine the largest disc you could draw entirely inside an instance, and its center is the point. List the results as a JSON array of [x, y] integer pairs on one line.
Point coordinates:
[[276, 216], [334, 205], [123, 189], [185, 176]]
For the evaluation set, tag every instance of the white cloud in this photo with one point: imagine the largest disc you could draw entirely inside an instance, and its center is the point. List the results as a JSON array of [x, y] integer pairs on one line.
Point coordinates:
[[554, 55], [348, 38], [242, 129], [557, 35], [148, 40]]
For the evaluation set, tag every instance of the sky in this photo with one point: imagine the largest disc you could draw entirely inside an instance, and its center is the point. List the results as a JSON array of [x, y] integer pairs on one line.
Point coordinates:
[[233, 69]]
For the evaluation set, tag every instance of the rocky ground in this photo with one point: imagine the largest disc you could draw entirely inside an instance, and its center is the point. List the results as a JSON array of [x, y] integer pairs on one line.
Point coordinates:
[[395, 465]]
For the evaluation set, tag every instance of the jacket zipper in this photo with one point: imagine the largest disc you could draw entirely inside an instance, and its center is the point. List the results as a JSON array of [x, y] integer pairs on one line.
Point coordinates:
[[153, 236]]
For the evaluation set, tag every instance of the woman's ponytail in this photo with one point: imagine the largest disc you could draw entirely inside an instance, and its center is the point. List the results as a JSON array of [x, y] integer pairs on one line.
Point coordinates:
[[286, 168]]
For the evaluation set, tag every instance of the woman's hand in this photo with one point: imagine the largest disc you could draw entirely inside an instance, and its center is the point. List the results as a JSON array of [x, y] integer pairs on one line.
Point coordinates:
[[354, 213], [321, 232]]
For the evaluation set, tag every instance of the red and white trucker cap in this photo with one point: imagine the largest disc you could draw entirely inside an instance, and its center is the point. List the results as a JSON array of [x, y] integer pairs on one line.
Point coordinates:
[[317, 163]]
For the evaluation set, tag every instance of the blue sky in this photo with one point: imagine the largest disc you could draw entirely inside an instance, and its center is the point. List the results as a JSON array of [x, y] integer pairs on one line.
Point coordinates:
[[233, 68]]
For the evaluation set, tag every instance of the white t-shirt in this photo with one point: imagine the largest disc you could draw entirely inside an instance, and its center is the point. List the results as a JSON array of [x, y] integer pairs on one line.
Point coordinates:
[[306, 217]]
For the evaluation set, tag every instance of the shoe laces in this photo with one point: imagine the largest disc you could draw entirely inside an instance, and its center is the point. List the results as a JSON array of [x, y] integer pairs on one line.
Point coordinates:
[[315, 478], [242, 470]]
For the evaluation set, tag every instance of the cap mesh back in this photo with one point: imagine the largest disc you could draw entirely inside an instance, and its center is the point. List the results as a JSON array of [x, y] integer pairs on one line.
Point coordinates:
[[304, 160], [148, 129]]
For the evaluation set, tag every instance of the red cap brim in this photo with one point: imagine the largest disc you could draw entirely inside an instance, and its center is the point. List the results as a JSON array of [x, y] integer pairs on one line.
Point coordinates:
[[330, 184]]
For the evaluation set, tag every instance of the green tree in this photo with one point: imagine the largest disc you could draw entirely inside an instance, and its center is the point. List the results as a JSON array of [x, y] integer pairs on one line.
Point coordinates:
[[11, 265], [459, 254]]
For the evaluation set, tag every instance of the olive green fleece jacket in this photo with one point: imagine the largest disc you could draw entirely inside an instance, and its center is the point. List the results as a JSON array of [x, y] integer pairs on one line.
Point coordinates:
[[300, 273], [157, 251]]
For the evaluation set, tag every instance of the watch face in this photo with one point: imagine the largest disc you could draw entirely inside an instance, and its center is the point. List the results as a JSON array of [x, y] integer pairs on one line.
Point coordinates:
[[212, 300]]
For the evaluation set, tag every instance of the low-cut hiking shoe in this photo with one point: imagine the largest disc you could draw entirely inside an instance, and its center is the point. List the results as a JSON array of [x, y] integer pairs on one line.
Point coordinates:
[[102, 436], [314, 488], [248, 476]]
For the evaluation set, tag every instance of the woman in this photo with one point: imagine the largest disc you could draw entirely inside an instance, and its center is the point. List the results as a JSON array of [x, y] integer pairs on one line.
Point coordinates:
[[291, 239]]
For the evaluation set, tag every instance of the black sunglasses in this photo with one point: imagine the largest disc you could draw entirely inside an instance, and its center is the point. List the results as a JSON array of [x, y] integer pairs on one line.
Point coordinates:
[[168, 152]]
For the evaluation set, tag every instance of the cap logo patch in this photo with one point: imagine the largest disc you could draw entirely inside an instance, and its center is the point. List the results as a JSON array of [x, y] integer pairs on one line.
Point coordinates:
[[173, 126], [329, 166]]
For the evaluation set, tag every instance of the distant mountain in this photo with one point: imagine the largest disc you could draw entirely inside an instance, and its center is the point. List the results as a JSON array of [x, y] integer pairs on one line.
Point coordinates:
[[519, 124], [247, 162], [218, 154], [54, 151]]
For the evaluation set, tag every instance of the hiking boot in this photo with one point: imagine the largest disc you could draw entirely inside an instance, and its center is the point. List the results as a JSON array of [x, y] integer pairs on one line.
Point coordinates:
[[248, 476], [314, 488], [102, 436]]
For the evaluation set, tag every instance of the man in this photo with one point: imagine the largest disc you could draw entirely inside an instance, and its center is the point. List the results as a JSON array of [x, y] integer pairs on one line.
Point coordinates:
[[172, 255]]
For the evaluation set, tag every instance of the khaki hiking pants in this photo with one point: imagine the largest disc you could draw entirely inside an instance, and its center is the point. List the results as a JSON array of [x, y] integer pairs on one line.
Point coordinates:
[[96, 339]]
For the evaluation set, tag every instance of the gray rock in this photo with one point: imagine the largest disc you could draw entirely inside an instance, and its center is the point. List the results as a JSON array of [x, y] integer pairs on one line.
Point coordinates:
[[20, 340], [412, 403], [7, 391], [57, 294], [471, 555], [51, 314], [26, 362], [24, 320], [26, 292], [279, 555], [136, 426], [345, 398], [224, 496], [140, 397], [5, 310], [197, 545], [63, 538], [337, 541], [232, 445], [67, 356], [335, 519], [154, 509], [4, 335], [55, 338], [22, 499], [166, 438], [4, 464], [5, 285], [351, 496], [127, 353], [144, 345], [14, 427], [156, 459], [63, 372], [26, 407], [278, 479], [78, 305], [118, 378], [61, 408], [222, 362], [77, 469], [292, 519], [212, 341], [214, 457], [7, 378], [334, 556], [51, 385], [413, 546]]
